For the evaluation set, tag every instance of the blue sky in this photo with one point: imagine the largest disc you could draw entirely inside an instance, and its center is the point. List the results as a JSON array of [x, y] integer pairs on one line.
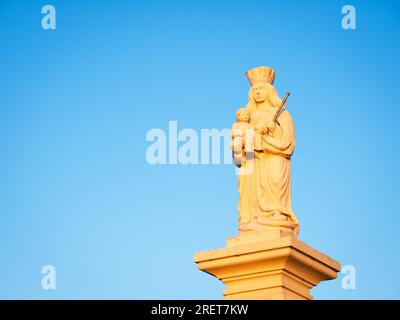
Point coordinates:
[[77, 102]]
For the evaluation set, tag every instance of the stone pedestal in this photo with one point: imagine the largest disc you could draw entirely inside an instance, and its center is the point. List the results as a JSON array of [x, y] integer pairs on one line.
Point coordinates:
[[267, 266]]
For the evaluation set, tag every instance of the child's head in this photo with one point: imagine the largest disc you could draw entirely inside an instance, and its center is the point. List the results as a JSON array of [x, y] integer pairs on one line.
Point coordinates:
[[243, 115]]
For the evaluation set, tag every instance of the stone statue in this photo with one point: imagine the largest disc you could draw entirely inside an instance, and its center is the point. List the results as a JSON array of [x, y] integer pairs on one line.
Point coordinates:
[[263, 154], [265, 260]]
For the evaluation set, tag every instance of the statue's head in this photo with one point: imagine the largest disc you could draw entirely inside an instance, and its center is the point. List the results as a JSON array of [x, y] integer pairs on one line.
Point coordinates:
[[262, 90], [243, 115]]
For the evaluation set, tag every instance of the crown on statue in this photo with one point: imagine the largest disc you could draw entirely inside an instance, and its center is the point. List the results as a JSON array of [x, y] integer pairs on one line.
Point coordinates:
[[264, 74]]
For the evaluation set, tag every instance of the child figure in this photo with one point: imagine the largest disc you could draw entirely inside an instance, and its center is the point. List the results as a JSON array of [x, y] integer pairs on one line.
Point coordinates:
[[241, 130]]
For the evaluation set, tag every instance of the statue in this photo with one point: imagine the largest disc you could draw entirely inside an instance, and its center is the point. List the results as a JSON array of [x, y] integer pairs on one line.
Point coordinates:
[[263, 143], [240, 129], [265, 260]]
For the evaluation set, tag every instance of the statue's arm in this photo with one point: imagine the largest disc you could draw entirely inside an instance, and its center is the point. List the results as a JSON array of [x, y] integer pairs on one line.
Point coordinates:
[[285, 143], [271, 148], [279, 144]]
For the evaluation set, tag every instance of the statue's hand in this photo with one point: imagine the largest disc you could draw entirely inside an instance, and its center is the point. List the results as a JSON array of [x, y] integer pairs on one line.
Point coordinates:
[[260, 130], [271, 127]]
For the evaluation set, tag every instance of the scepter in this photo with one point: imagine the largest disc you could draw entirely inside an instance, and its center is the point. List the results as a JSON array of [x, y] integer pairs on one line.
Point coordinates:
[[278, 112]]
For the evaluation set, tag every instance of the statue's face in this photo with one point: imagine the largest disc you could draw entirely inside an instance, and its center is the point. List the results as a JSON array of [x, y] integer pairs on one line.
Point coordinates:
[[260, 92], [244, 116]]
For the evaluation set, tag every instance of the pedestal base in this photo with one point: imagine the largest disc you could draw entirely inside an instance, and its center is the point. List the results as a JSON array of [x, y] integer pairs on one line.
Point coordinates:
[[263, 267]]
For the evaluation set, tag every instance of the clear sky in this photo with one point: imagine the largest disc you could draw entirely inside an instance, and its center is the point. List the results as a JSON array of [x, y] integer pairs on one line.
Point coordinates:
[[77, 102]]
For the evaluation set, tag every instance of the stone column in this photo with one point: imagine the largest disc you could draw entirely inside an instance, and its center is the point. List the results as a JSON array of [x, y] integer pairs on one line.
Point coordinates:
[[266, 266]]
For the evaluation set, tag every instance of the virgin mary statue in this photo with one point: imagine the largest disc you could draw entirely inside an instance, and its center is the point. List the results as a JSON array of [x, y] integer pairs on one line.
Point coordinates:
[[264, 191]]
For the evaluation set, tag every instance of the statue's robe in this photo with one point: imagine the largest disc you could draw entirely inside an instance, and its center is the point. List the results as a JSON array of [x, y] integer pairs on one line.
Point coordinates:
[[266, 189]]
